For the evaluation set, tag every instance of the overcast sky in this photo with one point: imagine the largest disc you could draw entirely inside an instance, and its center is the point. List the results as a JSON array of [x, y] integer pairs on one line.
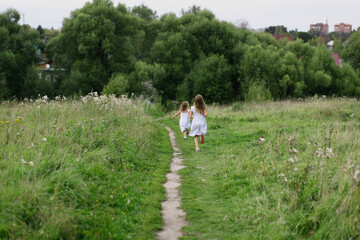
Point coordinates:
[[293, 14]]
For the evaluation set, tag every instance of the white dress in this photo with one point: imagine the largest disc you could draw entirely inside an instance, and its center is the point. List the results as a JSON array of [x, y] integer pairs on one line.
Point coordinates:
[[198, 125], [184, 121]]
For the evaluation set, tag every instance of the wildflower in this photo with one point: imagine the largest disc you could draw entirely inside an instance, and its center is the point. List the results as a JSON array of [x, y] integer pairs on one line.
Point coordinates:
[[319, 153], [23, 161], [329, 153], [352, 115], [357, 177], [291, 139], [111, 196], [31, 163], [261, 139], [44, 139], [281, 175], [285, 179], [295, 169], [17, 120], [295, 151]]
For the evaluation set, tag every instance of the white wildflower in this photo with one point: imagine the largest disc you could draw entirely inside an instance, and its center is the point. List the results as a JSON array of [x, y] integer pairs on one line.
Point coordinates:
[[281, 175], [329, 153], [23, 161], [285, 179], [261, 139], [295, 169], [357, 177], [292, 160], [319, 153], [339, 210], [291, 139], [295, 151], [44, 139], [31, 163]]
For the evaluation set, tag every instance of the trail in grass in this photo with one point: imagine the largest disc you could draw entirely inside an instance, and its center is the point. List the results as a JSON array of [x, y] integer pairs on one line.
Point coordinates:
[[173, 216]]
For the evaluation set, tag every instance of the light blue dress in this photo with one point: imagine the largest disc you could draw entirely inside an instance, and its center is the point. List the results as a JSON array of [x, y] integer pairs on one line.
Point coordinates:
[[198, 125], [184, 121]]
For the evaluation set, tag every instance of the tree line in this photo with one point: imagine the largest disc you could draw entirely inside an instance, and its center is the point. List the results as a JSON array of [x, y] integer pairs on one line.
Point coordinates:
[[119, 50]]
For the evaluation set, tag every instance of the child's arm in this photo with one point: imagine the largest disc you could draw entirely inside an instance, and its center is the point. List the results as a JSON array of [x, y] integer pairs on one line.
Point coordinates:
[[190, 114], [205, 113], [176, 115]]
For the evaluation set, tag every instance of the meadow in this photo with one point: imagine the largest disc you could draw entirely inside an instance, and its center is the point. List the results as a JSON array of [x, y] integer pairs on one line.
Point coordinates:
[[81, 169], [93, 168], [277, 170]]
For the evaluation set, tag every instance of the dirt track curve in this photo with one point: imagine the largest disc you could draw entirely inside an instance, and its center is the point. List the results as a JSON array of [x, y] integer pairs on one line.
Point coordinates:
[[173, 216]]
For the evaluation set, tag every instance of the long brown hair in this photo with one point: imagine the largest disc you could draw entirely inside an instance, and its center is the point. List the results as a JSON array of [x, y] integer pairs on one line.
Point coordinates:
[[184, 106], [199, 103]]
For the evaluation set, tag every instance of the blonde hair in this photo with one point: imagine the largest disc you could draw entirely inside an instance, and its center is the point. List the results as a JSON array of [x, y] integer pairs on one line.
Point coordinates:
[[199, 103], [184, 106]]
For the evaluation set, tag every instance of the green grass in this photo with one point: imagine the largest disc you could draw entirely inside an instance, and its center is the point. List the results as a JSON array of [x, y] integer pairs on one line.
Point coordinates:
[[240, 188], [90, 172], [92, 168]]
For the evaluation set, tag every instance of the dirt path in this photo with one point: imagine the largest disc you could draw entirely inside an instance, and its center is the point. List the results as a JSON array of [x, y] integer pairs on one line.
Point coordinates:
[[173, 216]]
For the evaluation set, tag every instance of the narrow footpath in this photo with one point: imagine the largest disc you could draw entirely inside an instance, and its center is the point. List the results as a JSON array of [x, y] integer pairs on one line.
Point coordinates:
[[173, 216]]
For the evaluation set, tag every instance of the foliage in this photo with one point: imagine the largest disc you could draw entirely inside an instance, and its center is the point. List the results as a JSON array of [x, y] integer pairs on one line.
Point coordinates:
[[81, 169], [175, 57], [278, 30], [118, 85], [296, 182], [305, 36], [17, 56], [352, 51], [94, 43], [212, 79]]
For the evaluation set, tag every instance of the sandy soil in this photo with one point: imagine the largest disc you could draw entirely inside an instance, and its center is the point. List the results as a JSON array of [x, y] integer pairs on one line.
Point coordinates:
[[173, 216]]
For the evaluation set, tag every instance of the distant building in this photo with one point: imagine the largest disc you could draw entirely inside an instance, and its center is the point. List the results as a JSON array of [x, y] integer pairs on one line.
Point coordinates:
[[343, 28], [288, 37], [320, 27], [337, 59]]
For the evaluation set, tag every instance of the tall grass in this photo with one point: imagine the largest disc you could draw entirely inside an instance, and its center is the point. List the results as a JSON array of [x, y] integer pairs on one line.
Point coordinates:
[[80, 169], [279, 170]]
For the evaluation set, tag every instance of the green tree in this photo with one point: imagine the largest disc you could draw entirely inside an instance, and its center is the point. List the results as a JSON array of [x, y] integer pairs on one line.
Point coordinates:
[[211, 78], [305, 36], [351, 53], [262, 68], [149, 28], [17, 55], [278, 30], [94, 43]]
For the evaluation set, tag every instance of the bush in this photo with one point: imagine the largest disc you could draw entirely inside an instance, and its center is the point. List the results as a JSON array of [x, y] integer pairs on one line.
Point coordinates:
[[118, 85], [257, 93]]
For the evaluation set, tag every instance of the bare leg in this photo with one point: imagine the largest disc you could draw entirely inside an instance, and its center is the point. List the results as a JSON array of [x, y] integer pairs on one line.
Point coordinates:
[[185, 136], [196, 139]]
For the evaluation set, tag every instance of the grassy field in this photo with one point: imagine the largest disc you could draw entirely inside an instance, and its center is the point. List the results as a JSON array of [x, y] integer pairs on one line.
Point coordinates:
[[92, 168], [81, 169], [295, 182]]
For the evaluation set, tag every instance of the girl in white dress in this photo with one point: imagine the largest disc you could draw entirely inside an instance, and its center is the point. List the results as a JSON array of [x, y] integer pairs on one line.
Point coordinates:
[[198, 114], [184, 118]]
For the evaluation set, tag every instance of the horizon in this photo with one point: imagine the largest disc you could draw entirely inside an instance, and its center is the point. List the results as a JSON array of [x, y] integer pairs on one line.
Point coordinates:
[[259, 14]]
